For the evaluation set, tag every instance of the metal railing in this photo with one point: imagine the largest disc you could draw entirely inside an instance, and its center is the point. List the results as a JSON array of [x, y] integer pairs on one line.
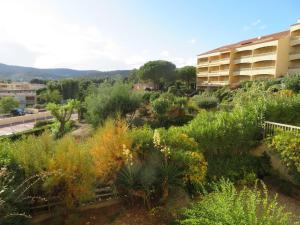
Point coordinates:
[[270, 128]]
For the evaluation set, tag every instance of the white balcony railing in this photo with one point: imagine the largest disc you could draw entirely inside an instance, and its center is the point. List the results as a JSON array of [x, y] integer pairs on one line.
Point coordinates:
[[294, 55], [295, 40]]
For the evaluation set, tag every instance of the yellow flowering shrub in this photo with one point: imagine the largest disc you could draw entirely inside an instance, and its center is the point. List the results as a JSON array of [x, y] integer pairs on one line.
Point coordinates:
[[196, 168], [73, 171], [110, 148]]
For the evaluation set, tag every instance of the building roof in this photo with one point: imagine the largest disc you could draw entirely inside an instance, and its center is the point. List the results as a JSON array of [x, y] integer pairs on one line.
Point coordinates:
[[261, 39]]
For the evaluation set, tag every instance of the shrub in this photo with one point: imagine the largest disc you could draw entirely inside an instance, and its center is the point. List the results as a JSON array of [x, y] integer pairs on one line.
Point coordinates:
[[42, 123], [7, 104], [108, 148], [32, 153], [283, 109], [292, 82], [238, 168], [206, 102], [11, 197], [226, 205], [287, 145], [142, 139], [169, 110], [73, 172], [110, 101], [225, 132]]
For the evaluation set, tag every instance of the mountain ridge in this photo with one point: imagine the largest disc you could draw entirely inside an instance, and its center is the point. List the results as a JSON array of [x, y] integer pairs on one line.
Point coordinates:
[[23, 73]]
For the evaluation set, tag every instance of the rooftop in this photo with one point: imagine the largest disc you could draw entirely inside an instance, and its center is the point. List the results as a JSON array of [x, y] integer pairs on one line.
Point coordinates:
[[260, 39]]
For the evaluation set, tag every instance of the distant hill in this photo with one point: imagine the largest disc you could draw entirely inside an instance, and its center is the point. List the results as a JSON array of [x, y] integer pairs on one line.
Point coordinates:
[[22, 73]]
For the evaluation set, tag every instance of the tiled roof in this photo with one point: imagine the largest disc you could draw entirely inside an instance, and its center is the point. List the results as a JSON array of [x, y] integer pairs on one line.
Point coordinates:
[[270, 37]]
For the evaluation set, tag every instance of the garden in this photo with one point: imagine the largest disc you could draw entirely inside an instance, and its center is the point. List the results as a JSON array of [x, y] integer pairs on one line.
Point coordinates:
[[172, 155]]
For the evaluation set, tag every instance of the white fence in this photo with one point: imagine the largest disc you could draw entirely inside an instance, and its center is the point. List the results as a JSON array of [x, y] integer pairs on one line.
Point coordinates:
[[271, 127]]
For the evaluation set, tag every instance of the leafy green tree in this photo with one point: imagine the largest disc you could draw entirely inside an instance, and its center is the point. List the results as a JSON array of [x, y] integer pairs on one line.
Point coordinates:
[[7, 104], [50, 96], [111, 100], [69, 88], [62, 114], [159, 72], [187, 74], [134, 76]]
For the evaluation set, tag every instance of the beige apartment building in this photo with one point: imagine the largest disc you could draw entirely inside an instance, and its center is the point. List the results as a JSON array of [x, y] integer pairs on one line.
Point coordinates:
[[264, 57], [23, 92]]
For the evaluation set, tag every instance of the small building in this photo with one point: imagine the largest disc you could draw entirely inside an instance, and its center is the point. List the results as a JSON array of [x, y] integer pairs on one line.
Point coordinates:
[[145, 86], [23, 92]]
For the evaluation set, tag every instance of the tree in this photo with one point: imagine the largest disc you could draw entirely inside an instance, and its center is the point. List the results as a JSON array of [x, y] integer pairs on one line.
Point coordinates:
[[187, 74], [159, 72], [62, 113], [50, 96], [111, 100], [134, 76], [7, 104]]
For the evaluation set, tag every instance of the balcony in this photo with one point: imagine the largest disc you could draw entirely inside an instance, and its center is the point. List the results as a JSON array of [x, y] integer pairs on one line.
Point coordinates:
[[294, 69], [294, 55], [244, 59], [214, 62], [264, 56], [264, 70], [202, 74], [224, 61], [295, 40], [224, 72], [202, 64], [295, 27], [214, 83], [214, 73], [242, 72]]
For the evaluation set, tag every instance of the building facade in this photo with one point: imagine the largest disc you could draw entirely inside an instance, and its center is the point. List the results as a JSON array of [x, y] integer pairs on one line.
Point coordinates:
[[23, 92], [264, 57]]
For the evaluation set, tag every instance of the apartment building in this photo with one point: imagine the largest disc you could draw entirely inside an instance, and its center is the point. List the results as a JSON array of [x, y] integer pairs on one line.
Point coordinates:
[[264, 57], [23, 92]]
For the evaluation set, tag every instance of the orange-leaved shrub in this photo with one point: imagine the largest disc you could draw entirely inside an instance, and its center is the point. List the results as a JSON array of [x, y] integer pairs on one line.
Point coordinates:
[[108, 148]]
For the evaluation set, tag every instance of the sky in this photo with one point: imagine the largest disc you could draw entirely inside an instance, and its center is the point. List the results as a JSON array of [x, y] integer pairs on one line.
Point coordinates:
[[124, 34]]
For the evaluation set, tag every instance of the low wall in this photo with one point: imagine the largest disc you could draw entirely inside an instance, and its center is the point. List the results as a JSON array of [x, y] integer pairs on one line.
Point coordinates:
[[26, 118], [42, 218], [276, 163]]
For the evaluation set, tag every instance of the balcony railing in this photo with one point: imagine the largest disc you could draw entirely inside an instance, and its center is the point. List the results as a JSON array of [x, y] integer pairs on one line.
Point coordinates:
[[214, 83], [295, 41], [265, 53], [214, 73], [263, 67]]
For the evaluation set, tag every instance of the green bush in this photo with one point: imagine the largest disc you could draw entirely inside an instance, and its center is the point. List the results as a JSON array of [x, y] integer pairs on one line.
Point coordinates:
[[110, 101], [283, 109], [169, 110], [287, 145], [242, 169], [292, 82], [226, 132], [227, 205], [42, 123], [206, 102]]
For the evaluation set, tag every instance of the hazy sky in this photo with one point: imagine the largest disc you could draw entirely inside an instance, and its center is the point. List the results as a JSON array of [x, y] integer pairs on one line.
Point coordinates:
[[123, 34]]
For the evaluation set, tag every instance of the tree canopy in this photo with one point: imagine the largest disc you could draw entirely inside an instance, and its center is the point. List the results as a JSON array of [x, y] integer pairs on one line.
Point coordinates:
[[7, 104], [159, 72], [62, 114], [187, 74]]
